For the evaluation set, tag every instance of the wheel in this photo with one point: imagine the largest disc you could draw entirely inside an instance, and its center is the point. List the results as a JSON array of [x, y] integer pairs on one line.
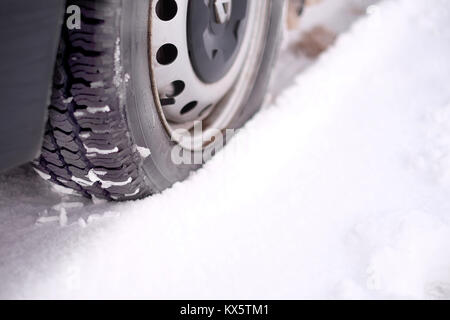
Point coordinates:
[[134, 85]]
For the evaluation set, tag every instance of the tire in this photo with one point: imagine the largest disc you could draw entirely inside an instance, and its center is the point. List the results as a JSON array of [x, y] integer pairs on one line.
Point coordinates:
[[105, 137]]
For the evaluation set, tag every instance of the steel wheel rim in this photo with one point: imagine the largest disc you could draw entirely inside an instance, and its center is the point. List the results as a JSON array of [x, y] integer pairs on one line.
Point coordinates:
[[217, 103]]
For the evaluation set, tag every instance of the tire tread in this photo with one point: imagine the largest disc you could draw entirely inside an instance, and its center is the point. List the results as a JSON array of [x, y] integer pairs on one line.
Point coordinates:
[[85, 57]]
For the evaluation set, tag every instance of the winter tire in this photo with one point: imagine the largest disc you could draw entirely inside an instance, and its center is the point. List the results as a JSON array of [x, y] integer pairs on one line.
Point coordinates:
[[139, 72]]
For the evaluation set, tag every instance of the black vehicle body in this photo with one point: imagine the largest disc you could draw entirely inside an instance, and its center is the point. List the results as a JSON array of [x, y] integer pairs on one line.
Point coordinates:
[[29, 36]]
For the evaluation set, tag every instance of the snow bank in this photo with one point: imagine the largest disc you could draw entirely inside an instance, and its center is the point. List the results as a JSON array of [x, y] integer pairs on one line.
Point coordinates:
[[339, 190]]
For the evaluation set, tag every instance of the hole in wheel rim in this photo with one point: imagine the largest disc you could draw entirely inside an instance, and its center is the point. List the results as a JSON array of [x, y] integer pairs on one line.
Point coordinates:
[[166, 10], [167, 54], [189, 107]]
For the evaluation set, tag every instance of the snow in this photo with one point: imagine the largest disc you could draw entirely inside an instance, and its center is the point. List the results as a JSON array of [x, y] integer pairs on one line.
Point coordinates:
[[97, 110], [101, 151], [68, 100], [94, 177], [43, 220], [144, 152], [85, 135], [43, 175], [345, 196], [97, 84]]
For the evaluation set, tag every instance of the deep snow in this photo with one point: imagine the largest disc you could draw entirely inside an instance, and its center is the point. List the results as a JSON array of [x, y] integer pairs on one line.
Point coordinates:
[[340, 189]]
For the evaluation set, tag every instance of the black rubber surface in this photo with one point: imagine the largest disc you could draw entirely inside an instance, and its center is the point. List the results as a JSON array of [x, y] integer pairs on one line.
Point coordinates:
[[81, 139]]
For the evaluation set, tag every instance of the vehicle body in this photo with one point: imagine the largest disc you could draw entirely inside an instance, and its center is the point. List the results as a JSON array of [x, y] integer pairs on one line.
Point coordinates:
[[29, 36]]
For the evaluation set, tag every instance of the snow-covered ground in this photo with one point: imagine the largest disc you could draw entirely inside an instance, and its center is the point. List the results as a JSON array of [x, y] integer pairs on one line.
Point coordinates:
[[340, 189]]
